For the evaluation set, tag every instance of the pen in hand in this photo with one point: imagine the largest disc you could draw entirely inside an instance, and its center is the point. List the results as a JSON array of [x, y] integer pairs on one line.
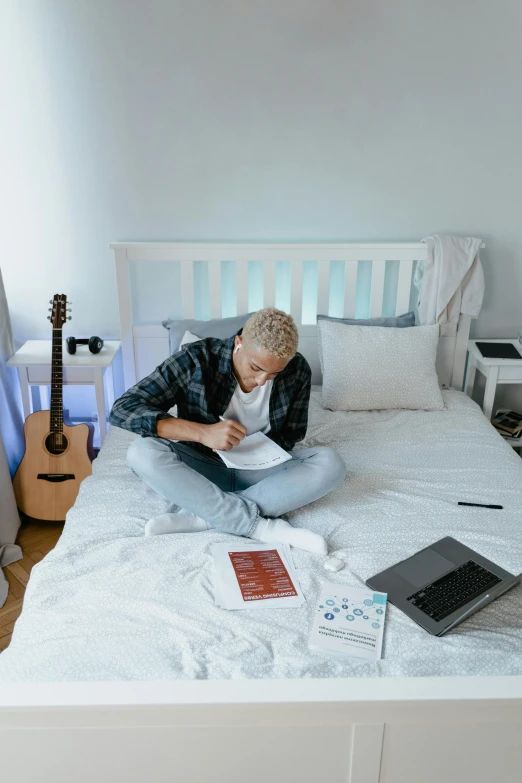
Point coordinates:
[[222, 419], [226, 438]]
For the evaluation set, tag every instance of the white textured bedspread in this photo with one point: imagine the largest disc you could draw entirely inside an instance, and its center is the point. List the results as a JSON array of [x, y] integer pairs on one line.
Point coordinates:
[[109, 604]]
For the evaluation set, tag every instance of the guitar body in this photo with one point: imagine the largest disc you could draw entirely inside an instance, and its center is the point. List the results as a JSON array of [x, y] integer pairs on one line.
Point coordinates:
[[49, 497]]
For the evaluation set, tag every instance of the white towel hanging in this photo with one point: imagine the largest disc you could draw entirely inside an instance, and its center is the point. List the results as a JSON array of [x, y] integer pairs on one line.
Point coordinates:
[[450, 281]]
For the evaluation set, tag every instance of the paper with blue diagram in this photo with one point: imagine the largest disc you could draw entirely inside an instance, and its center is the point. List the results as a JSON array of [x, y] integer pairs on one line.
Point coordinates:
[[349, 621]]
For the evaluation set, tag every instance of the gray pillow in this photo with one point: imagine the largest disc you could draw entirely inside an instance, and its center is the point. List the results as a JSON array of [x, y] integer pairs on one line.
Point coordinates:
[[398, 321], [217, 327]]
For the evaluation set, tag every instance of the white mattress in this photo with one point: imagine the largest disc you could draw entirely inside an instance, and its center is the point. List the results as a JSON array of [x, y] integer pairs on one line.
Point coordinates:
[[109, 604]]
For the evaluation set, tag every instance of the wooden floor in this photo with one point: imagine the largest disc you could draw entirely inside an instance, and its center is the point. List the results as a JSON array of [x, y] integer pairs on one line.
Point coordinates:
[[36, 540]]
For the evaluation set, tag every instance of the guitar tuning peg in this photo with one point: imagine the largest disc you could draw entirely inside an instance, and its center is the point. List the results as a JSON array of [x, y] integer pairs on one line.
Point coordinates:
[[50, 301], [49, 318], [69, 317], [50, 310]]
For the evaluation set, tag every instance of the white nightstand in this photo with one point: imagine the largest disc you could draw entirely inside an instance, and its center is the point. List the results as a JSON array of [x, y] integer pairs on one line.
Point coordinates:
[[33, 361], [495, 370]]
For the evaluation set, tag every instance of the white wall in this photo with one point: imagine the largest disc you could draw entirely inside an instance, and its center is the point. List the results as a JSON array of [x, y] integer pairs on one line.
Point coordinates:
[[253, 120]]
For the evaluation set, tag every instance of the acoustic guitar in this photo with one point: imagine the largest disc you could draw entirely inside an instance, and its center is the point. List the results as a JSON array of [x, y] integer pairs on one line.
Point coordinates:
[[57, 455]]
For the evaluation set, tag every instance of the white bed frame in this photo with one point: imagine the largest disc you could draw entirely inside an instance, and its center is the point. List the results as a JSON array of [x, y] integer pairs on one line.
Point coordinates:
[[145, 346], [389, 730]]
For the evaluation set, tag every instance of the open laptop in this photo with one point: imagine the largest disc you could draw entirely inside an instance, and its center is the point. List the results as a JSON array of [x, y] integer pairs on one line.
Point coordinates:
[[442, 585]]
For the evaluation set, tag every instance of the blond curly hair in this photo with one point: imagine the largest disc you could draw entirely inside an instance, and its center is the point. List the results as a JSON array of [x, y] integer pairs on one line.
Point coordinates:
[[273, 331]]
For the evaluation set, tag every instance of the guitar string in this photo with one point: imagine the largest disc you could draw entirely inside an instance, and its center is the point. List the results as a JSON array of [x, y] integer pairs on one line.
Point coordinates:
[[56, 413]]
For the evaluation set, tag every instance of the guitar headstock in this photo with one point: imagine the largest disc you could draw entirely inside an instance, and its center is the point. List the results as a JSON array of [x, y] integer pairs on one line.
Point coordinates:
[[58, 311]]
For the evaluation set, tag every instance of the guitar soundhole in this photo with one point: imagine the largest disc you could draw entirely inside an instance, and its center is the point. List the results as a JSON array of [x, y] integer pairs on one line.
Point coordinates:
[[56, 443]]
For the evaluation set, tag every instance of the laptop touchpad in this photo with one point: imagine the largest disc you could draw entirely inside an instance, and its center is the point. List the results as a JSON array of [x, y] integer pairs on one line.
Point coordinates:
[[424, 567]]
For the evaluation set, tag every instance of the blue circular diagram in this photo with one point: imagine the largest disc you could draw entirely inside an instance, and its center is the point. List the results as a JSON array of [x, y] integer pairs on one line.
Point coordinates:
[[365, 617], [329, 616], [345, 606], [330, 602], [336, 609], [350, 617], [375, 625], [367, 602], [357, 611], [378, 611]]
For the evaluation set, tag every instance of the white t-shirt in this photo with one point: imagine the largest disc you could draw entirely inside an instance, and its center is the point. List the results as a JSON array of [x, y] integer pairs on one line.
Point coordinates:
[[251, 409]]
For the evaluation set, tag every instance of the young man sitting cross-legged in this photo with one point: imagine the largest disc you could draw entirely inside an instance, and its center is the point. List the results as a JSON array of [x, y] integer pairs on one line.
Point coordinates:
[[257, 382]]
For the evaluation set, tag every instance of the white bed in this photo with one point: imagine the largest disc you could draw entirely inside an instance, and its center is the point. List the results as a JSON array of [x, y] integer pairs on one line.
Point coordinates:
[[109, 604], [120, 648]]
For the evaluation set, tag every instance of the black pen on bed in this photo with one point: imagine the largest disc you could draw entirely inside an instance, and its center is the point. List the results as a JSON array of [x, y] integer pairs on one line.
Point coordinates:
[[479, 505]]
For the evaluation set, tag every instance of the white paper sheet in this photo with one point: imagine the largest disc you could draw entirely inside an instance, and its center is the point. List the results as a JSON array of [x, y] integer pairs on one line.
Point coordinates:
[[349, 621], [255, 452]]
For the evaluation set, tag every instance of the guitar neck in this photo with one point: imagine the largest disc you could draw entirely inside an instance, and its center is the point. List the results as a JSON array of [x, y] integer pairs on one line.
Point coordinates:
[[57, 382]]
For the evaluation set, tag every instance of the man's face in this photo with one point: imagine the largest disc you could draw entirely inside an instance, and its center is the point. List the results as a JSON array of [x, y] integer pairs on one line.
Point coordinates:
[[253, 367]]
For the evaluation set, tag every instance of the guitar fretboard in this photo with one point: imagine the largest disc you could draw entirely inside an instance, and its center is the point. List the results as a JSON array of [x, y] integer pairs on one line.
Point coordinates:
[[57, 383]]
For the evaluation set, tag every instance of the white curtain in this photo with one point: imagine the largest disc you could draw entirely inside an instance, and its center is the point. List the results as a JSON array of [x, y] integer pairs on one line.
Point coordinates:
[[11, 444]]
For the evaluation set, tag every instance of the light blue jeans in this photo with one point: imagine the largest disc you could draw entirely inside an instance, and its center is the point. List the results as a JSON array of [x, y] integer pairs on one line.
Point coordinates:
[[234, 500]]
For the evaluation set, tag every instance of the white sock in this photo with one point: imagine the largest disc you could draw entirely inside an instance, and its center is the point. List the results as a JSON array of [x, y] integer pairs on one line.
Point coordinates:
[[280, 531], [180, 522]]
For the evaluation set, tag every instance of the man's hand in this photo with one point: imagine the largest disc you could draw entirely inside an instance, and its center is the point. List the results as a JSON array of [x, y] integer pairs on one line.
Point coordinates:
[[223, 436]]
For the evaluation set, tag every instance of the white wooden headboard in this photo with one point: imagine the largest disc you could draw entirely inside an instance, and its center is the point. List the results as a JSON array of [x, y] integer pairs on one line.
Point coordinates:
[[144, 346]]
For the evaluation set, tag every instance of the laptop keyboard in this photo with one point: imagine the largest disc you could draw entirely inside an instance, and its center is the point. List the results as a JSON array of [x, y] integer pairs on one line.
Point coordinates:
[[453, 590]]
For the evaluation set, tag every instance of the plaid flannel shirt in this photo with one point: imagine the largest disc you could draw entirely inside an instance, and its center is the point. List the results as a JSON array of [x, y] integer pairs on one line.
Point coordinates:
[[199, 380]]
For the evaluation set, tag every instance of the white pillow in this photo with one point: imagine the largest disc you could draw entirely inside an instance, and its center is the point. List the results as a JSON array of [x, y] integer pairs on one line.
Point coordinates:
[[376, 368], [187, 338]]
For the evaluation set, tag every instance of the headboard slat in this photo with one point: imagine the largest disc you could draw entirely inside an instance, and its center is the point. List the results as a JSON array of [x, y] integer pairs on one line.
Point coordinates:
[[296, 293], [377, 288], [214, 289], [269, 283], [125, 313], [241, 287], [323, 287], [187, 289], [404, 287], [350, 288]]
